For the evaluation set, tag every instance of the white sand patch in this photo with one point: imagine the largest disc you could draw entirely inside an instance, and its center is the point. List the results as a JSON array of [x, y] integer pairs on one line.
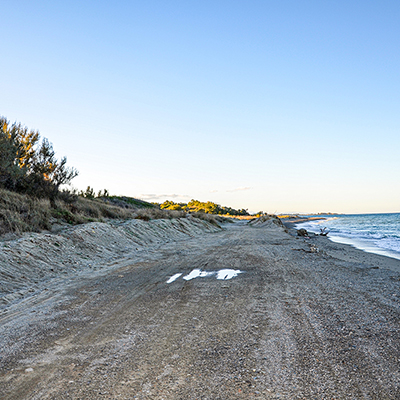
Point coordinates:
[[197, 273], [226, 274], [222, 274], [173, 278]]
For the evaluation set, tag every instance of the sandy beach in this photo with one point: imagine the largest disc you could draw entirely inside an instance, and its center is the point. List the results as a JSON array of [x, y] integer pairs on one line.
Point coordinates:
[[302, 319]]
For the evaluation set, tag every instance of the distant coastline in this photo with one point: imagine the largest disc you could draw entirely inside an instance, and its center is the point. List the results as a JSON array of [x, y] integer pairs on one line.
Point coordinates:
[[291, 221]]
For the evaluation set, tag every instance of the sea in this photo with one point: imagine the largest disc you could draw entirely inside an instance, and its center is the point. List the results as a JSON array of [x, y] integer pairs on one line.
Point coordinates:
[[374, 233]]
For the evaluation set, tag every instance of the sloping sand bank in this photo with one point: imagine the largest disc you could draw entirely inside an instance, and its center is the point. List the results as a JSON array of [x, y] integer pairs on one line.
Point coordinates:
[[29, 263], [304, 319]]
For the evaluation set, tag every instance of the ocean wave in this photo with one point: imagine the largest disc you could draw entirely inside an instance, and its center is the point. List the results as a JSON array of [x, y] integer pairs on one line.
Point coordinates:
[[367, 230], [390, 244]]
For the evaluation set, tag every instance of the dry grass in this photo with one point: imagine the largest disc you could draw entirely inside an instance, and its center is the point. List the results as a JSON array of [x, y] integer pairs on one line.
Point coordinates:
[[98, 209], [241, 217], [211, 218], [156, 213], [21, 213], [266, 217]]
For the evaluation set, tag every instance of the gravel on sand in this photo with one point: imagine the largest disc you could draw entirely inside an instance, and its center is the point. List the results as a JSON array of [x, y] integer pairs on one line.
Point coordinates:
[[305, 318]]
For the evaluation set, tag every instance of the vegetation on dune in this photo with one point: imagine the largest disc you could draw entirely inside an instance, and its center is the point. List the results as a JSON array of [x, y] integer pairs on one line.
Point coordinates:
[[28, 165], [202, 207], [24, 213], [125, 201], [31, 198], [121, 201]]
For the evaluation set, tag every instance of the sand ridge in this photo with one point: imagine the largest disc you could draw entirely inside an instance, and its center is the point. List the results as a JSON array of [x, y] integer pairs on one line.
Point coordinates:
[[30, 262]]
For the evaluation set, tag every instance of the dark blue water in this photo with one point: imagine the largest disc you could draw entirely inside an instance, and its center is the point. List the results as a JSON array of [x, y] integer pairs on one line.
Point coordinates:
[[375, 233]]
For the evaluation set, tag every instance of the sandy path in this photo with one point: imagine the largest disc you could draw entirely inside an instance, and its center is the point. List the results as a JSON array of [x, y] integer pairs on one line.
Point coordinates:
[[296, 324]]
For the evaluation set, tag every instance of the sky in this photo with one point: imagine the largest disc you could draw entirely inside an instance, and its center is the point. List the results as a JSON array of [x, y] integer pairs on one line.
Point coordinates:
[[279, 106]]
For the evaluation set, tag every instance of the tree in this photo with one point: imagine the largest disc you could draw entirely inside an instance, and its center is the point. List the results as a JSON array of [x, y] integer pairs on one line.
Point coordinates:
[[25, 141], [167, 204], [25, 167], [11, 170], [47, 174], [206, 207]]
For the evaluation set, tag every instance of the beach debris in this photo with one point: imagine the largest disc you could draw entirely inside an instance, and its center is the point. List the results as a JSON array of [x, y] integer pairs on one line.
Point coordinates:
[[302, 232], [314, 249], [324, 231]]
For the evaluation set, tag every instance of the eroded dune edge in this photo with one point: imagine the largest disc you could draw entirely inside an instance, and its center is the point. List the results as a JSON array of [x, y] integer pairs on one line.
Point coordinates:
[[33, 260]]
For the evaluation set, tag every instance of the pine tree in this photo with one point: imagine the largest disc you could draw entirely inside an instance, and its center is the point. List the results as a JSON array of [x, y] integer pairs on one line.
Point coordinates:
[[28, 167]]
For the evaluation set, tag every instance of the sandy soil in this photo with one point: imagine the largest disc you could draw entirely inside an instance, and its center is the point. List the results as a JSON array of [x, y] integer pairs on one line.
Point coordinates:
[[33, 262], [306, 319]]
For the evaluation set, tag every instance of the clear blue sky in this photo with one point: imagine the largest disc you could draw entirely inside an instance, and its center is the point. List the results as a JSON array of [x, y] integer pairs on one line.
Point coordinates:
[[280, 106]]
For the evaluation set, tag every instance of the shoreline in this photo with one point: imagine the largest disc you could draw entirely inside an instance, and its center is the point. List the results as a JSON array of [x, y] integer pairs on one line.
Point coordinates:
[[291, 222], [296, 223], [349, 253]]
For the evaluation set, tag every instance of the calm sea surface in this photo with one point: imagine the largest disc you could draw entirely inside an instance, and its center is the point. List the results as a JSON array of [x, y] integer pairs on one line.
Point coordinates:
[[375, 233]]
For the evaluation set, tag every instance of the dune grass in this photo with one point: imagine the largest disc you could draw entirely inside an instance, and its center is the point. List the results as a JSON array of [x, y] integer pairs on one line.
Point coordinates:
[[22, 213]]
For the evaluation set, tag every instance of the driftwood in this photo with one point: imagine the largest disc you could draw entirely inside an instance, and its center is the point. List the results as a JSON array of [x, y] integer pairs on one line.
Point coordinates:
[[313, 249], [324, 232]]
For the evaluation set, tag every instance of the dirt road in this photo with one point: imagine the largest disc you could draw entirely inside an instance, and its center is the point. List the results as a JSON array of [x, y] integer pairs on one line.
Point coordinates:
[[305, 319]]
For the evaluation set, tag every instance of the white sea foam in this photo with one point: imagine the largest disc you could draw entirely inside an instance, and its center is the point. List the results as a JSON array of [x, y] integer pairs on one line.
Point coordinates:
[[375, 233]]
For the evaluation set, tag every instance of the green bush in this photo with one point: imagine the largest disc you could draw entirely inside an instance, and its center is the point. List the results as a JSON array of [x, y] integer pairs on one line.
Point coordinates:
[[203, 207]]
